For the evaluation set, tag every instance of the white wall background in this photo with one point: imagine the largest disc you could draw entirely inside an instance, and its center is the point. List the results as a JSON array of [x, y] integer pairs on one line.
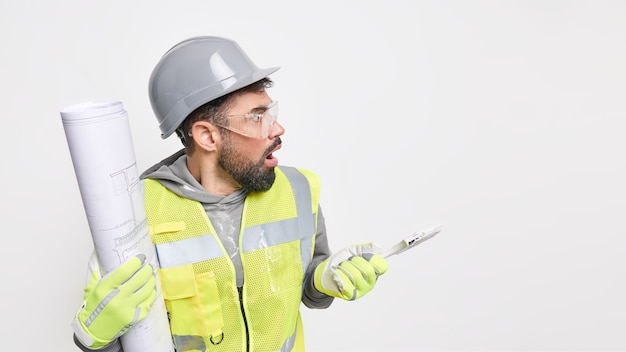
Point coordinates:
[[502, 120]]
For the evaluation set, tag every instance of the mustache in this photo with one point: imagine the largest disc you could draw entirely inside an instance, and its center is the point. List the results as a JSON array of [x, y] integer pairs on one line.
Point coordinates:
[[276, 143]]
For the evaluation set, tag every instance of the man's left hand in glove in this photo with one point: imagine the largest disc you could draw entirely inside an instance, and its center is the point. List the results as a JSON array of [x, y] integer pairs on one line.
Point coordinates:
[[350, 273]]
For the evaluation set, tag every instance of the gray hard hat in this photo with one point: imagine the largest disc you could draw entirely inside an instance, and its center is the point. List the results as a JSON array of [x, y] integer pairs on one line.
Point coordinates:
[[196, 71]]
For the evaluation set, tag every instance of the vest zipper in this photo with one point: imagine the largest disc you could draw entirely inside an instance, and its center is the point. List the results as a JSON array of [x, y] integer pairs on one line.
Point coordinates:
[[243, 314]]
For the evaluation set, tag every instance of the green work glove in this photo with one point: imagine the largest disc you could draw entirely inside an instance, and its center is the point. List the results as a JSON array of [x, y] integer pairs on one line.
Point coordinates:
[[115, 303], [350, 273]]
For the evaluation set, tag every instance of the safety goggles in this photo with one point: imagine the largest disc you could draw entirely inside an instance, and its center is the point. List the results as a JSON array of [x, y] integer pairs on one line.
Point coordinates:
[[253, 124]]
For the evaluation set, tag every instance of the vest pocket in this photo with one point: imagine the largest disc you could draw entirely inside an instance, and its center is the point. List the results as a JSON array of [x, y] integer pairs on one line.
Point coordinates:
[[180, 293], [192, 301]]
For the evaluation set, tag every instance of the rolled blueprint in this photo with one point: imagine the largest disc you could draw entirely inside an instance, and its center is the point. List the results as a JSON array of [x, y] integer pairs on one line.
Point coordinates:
[[101, 148]]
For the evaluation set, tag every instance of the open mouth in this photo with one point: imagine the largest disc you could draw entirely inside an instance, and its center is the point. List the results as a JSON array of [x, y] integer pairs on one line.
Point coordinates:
[[270, 159], [277, 145]]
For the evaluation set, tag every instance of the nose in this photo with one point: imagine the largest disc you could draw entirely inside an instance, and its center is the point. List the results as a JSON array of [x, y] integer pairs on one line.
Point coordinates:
[[276, 130]]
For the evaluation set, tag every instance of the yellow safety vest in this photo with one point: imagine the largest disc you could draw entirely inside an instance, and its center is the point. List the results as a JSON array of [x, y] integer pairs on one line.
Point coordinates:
[[207, 311]]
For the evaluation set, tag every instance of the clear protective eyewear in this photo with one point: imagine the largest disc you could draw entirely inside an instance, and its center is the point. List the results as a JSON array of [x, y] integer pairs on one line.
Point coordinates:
[[254, 124]]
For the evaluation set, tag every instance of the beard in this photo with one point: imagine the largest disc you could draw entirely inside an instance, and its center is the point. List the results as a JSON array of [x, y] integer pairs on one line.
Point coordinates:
[[252, 176]]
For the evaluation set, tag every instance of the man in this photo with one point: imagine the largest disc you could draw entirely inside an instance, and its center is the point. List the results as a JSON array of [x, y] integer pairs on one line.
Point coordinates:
[[241, 242]]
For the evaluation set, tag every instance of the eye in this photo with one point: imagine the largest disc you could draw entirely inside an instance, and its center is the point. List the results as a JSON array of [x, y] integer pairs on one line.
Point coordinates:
[[254, 117]]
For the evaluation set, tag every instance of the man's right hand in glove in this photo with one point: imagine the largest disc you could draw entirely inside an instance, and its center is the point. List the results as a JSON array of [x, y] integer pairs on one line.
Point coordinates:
[[115, 303]]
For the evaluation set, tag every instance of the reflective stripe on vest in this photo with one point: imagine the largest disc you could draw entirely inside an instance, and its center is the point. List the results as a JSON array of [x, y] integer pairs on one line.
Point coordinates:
[[189, 250], [302, 193]]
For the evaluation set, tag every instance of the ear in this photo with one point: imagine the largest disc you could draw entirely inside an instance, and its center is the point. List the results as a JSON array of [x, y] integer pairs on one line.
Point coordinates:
[[205, 135]]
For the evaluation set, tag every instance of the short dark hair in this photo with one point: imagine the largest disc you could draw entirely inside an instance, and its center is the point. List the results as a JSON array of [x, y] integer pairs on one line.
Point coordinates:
[[213, 111]]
